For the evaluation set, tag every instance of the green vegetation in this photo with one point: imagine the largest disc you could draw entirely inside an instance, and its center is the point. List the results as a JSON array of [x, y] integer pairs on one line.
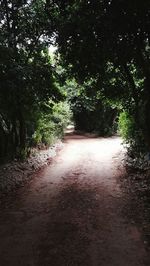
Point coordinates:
[[126, 126], [51, 125], [90, 112], [32, 108], [109, 42], [101, 68]]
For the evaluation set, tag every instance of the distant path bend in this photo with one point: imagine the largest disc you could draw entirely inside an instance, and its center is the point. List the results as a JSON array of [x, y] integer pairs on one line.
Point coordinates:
[[72, 213]]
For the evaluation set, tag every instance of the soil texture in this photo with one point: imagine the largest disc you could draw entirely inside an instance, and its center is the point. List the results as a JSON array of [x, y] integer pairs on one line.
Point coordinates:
[[72, 212]]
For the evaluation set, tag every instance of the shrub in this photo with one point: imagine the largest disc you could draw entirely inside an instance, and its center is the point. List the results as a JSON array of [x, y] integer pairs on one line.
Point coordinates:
[[51, 125], [126, 125], [131, 134]]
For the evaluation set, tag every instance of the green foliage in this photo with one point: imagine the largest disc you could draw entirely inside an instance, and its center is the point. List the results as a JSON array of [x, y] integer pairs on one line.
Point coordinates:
[[62, 114], [102, 46], [126, 125], [90, 112], [50, 126], [109, 43], [131, 134], [27, 77]]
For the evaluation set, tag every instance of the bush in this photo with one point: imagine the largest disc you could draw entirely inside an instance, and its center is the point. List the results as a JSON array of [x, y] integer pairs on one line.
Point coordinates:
[[51, 125], [131, 134], [126, 126]]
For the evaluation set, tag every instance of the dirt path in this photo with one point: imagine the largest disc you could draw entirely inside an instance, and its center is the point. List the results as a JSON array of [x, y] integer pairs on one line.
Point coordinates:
[[71, 214]]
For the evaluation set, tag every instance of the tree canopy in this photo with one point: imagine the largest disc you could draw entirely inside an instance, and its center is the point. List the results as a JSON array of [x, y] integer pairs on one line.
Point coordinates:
[[109, 41], [27, 77], [102, 45]]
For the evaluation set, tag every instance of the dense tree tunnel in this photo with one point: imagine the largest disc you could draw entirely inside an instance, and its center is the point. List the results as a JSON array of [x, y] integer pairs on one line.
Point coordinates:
[[101, 63], [85, 64]]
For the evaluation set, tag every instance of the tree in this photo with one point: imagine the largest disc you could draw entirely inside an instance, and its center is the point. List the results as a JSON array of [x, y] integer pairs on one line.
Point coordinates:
[[26, 73], [109, 41], [90, 112]]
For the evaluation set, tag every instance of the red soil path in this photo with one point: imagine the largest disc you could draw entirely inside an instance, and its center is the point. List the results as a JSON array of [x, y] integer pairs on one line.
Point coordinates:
[[72, 213]]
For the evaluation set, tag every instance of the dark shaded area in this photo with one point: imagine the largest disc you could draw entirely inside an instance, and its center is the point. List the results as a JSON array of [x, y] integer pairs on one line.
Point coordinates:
[[103, 119], [137, 185], [102, 66], [72, 224], [105, 45]]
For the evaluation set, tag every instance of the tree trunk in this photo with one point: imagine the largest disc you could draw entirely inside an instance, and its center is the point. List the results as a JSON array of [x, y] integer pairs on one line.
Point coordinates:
[[22, 131]]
